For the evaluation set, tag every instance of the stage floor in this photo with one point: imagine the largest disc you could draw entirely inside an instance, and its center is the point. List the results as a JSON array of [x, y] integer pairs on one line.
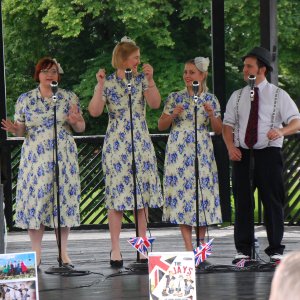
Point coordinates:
[[90, 249]]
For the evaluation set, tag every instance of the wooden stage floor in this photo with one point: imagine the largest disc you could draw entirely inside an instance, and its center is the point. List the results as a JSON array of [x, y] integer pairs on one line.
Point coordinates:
[[90, 249]]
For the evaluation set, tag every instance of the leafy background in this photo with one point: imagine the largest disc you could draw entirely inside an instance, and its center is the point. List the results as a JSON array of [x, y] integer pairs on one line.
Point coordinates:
[[81, 35]]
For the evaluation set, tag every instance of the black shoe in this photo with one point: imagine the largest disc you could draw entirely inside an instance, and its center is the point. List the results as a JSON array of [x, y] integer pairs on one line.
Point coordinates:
[[240, 256], [39, 266], [116, 263], [66, 265], [144, 260]]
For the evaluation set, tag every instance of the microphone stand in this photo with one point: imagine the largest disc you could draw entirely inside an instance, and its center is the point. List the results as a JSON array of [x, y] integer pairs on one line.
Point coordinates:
[[251, 81], [137, 265], [196, 90], [61, 269]]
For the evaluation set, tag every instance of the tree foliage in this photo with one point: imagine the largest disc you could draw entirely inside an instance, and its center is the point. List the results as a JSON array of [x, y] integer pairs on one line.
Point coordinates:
[[81, 35]]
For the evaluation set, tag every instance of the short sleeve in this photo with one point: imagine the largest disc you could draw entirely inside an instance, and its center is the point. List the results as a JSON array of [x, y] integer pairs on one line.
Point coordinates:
[[288, 108], [20, 109], [144, 83], [216, 106], [169, 105], [75, 100], [229, 115]]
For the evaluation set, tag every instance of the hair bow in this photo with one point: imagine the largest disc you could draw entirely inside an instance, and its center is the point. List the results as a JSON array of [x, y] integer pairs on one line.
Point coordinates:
[[126, 39], [60, 70], [202, 63]]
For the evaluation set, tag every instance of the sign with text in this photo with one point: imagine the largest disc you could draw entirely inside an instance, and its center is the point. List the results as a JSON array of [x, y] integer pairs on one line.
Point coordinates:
[[172, 276]]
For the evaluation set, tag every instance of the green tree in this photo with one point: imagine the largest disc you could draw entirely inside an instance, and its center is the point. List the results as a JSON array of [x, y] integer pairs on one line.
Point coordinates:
[[81, 35]]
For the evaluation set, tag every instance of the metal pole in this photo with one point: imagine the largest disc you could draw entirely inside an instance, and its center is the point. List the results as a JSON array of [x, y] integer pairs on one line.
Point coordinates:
[[268, 34], [218, 74], [2, 221], [2, 80]]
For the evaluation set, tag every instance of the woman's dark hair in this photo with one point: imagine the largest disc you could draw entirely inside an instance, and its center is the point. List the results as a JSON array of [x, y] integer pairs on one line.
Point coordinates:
[[44, 64]]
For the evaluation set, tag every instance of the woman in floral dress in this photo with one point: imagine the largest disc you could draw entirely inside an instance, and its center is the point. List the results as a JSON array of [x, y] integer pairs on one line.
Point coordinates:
[[117, 154], [36, 205], [179, 177]]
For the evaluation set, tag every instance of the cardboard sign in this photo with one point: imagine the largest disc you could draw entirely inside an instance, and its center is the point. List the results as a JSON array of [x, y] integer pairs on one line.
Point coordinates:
[[172, 276], [18, 276]]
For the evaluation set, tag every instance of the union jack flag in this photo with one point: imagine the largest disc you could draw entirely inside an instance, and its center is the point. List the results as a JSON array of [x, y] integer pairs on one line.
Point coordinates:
[[241, 263], [141, 244], [202, 252]]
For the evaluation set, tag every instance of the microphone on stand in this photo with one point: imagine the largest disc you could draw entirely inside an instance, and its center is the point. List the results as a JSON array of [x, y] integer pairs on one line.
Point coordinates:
[[251, 82], [54, 88], [196, 90], [128, 76]]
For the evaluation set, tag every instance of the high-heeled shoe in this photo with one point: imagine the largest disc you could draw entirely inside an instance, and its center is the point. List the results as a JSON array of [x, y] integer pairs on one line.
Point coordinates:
[[116, 263], [66, 265], [144, 260], [39, 265]]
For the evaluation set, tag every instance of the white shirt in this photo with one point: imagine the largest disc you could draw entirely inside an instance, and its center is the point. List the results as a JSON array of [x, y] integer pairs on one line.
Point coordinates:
[[270, 114]]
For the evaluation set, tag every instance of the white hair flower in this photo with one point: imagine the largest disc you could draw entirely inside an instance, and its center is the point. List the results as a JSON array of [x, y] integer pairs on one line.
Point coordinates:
[[202, 63], [60, 70], [126, 39]]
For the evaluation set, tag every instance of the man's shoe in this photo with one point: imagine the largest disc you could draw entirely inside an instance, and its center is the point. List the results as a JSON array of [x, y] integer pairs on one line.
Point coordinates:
[[276, 257], [239, 256]]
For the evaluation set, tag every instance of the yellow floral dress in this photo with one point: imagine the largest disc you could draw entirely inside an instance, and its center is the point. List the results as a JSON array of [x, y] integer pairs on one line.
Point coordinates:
[[117, 149]]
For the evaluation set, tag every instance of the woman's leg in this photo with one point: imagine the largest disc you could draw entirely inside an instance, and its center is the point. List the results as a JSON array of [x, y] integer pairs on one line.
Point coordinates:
[[64, 244], [186, 232], [143, 220], [202, 231], [115, 225], [36, 236], [142, 224]]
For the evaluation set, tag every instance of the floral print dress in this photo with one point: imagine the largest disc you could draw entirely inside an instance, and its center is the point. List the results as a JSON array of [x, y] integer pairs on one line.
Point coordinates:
[[117, 148], [179, 177], [36, 202]]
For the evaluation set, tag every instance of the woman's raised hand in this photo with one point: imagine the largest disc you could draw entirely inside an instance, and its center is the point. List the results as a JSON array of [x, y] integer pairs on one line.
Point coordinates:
[[100, 76], [15, 128], [148, 71], [74, 115], [177, 111]]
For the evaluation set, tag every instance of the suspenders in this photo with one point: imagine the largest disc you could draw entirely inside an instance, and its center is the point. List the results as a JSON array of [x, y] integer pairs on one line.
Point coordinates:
[[236, 108]]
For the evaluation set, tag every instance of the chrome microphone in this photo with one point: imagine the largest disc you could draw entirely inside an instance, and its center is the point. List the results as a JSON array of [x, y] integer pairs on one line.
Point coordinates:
[[196, 87], [195, 90], [54, 87], [251, 82], [128, 74]]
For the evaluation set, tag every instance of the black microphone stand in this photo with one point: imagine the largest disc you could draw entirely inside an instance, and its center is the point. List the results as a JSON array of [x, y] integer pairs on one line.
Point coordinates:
[[196, 91], [251, 81], [61, 269], [137, 265]]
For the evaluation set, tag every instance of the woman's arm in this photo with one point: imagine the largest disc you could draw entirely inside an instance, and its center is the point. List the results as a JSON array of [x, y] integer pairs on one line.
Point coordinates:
[[97, 103], [75, 119], [16, 128], [166, 120], [215, 122], [152, 94]]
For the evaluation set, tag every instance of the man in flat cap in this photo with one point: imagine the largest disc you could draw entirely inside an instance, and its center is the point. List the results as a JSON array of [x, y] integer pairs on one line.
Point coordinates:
[[253, 134]]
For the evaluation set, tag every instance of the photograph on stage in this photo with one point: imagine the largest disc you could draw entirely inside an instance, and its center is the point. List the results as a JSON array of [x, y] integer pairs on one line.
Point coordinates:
[[18, 276], [19, 290]]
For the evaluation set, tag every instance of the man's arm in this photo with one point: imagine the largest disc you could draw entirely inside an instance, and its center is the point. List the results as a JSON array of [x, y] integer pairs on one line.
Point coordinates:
[[233, 152], [289, 129]]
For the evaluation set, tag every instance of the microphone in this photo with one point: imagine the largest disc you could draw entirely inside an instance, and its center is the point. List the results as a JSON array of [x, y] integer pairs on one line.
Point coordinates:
[[196, 87], [128, 74], [54, 87], [251, 82]]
